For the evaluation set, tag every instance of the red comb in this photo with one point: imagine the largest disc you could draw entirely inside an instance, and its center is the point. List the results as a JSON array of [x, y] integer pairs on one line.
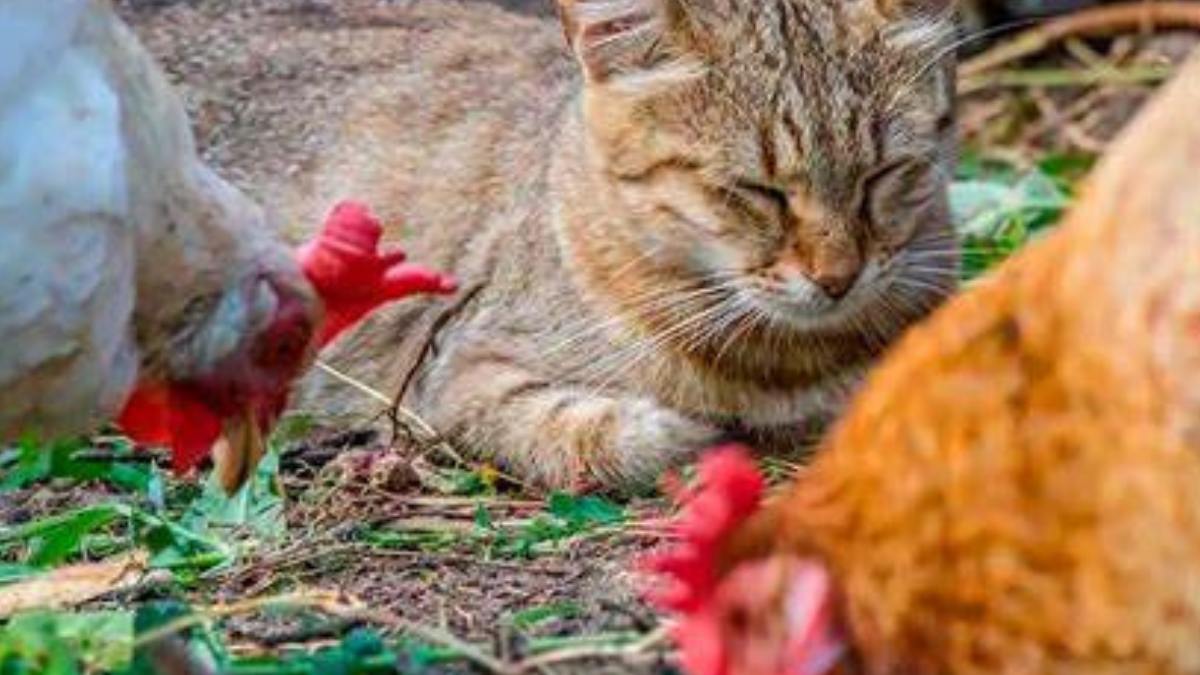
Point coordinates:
[[353, 276], [730, 490]]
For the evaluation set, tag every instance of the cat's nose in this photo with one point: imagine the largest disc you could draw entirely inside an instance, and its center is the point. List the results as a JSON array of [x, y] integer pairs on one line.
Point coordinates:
[[836, 280], [829, 255]]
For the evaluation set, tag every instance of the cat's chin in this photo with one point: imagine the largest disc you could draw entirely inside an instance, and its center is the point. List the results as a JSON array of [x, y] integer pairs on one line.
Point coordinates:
[[858, 311], [812, 317], [881, 304]]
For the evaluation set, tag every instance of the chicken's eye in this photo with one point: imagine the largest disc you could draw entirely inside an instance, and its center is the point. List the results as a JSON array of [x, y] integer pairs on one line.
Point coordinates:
[[283, 345]]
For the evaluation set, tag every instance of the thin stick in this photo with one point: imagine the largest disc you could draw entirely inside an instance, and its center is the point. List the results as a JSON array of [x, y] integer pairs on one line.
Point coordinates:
[[1093, 22], [648, 642], [361, 386], [409, 416], [331, 604], [426, 433], [1052, 77]]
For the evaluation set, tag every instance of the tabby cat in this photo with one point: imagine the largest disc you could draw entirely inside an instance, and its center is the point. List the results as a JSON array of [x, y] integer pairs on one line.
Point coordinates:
[[690, 220]]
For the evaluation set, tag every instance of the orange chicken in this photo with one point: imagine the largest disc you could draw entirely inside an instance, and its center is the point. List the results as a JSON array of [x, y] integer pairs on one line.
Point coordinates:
[[1016, 491]]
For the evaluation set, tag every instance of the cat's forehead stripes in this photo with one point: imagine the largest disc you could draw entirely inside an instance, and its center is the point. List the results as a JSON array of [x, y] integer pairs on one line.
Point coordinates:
[[827, 86]]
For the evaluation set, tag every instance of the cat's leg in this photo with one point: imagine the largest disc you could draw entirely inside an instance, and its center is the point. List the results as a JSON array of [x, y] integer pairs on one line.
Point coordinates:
[[552, 435]]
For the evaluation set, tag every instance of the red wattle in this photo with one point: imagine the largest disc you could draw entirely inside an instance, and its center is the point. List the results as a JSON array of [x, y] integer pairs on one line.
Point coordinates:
[[730, 489], [168, 417]]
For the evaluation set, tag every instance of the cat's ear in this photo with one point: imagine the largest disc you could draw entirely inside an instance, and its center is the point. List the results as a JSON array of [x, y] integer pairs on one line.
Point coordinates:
[[616, 37]]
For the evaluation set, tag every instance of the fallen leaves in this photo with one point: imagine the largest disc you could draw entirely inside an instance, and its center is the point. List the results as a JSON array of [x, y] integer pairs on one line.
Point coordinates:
[[72, 585]]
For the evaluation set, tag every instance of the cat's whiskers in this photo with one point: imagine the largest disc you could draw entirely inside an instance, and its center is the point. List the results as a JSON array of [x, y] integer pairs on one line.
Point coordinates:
[[944, 237], [748, 317], [936, 255], [937, 57], [877, 322], [933, 277], [926, 293], [892, 310], [640, 306], [629, 356], [671, 300], [647, 303], [916, 303], [721, 326], [929, 263]]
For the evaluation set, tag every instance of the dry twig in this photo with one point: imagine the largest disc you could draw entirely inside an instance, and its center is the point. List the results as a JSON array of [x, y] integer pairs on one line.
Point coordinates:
[[1094, 22], [650, 641]]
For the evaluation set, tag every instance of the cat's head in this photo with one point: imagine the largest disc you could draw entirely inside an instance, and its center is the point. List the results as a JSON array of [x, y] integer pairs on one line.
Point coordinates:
[[791, 154]]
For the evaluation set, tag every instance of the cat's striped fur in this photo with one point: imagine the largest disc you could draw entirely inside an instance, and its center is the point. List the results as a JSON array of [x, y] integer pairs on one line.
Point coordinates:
[[705, 224]]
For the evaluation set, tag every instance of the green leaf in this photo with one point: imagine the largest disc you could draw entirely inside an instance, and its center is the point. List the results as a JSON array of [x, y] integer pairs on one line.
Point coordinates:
[[31, 465], [461, 482], [421, 540], [363, 642], [66, 643], [483, 517], [1067, 169], [55, 539], [30, 648], [998, 210], [580, 512], [362, 652], [204, 644], [37, 462], [257, 509], [535, 616], [14, 572]]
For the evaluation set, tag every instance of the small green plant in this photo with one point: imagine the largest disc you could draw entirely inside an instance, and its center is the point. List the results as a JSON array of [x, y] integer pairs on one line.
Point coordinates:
[[566, 516], [256, 510], [533, 617], [202, 533], [31, 462], [998, 208], [59, 643], [106, 529]]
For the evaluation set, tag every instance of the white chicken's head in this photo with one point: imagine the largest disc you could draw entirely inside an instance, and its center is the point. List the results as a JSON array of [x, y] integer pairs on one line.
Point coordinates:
[[226, 321], [227, 316]]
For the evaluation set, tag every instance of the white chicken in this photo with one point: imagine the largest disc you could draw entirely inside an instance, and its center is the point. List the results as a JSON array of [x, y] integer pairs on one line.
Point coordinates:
[[126, 263]]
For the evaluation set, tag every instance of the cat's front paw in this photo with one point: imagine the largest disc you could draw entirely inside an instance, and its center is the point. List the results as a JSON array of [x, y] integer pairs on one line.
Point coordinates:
[[651, 439]]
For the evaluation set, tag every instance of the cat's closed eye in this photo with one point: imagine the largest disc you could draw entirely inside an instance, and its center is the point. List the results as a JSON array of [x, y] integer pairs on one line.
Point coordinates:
[[764, 200], [898, 197]]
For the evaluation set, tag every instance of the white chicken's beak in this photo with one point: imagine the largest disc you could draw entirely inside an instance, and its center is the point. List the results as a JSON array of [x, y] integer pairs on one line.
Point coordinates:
[[238, 451]]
